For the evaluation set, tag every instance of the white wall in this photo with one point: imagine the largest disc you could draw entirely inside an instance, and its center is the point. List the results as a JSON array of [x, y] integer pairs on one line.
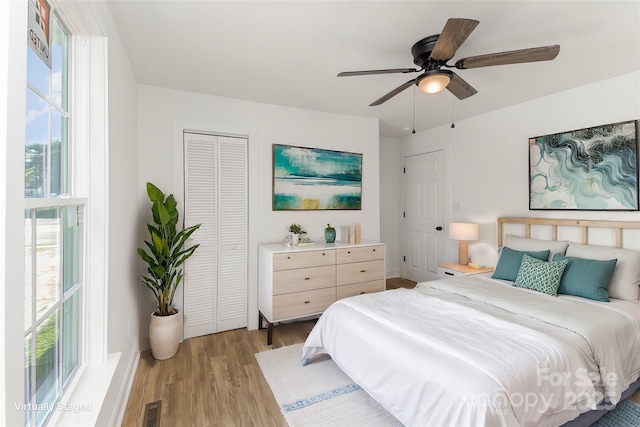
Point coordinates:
[[391, 163], [159, 109], [488, 156]]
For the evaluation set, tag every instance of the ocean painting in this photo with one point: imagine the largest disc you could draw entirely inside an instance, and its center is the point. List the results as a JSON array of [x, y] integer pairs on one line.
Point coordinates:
[[588, 169], [316, 179]]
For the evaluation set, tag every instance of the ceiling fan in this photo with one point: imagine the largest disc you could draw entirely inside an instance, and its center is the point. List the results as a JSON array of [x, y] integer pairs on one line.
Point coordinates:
[[432, 53]]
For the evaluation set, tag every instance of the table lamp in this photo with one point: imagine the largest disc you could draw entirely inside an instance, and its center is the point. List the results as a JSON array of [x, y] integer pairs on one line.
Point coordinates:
[[464, 232]]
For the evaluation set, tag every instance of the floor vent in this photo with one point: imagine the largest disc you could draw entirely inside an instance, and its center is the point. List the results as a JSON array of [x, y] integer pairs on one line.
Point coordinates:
[[152, 414]]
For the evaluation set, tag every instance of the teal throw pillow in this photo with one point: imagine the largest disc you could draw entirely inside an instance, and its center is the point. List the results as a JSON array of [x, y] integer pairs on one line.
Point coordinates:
[[587, 278], [541, 276], [510, 260]]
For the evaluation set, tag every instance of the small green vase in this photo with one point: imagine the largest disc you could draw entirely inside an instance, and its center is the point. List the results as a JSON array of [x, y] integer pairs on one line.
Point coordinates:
[[329, 234]]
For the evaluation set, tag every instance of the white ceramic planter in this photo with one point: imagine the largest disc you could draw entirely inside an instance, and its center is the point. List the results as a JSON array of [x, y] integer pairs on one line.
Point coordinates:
[[164, 335]]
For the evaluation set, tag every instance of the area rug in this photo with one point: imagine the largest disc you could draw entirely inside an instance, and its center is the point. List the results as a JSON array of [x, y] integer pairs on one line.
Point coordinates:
[[320, 394]]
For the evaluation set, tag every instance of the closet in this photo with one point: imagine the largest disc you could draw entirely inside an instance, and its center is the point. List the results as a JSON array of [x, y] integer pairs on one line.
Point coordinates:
[[215, 192]]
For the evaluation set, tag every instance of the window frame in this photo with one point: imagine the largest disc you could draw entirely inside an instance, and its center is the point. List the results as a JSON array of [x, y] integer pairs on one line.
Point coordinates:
[[88, 101], [61, 385]]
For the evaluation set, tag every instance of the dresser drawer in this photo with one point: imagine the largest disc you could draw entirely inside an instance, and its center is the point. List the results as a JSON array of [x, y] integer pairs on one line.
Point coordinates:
[[289, 260], [303, 279], [360, 272], [364, 253], [360, 288], [299, 304]]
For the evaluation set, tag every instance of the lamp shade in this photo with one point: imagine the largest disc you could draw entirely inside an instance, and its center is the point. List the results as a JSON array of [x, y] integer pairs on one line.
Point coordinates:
[[434, 81], [463, 231]]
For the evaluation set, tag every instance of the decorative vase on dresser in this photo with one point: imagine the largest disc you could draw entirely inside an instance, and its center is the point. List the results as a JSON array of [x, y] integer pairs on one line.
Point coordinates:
[[300, 282], [329, 234]]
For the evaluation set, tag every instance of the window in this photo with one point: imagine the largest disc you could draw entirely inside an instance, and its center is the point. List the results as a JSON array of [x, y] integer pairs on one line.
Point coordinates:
[[54, 233]]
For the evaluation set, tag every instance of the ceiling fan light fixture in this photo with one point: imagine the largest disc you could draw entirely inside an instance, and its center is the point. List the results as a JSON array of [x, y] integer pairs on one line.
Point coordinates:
[[434, 81]]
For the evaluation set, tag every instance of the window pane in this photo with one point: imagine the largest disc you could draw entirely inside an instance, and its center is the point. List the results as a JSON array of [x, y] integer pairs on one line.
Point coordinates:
[[59, 54], [37, 142], [48, 246], [47, 343], [72, 248], [28, 269], [70, 336], [37, 73], [27, 374], [59, 154]]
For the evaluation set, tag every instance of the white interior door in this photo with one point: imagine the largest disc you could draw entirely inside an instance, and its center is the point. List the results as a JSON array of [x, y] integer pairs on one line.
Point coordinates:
[[424, 215], [215, 284]]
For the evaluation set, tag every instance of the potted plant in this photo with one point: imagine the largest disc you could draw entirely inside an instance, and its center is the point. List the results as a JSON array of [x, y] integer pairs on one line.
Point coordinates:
[[296, 230], [165, 256]]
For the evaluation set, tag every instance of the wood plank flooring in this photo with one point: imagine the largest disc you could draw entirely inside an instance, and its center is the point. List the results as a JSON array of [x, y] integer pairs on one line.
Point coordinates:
[[213, 380]]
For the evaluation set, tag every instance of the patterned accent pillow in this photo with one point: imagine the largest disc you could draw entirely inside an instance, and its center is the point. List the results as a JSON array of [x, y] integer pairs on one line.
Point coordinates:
[[540, 275]]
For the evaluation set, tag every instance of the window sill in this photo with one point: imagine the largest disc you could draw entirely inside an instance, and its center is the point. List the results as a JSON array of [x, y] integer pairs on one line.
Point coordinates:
[[82, 405]]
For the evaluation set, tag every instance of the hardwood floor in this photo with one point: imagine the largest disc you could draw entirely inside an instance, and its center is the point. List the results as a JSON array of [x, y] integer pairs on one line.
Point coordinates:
[[399, 282], [213, 380]]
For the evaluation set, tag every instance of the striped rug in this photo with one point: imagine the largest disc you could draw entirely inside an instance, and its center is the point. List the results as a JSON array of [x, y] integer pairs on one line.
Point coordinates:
[[320, 394]]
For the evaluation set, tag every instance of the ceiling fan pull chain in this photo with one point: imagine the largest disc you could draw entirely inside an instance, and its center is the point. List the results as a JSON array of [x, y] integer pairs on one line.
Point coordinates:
[[453, 113], [414, 110]]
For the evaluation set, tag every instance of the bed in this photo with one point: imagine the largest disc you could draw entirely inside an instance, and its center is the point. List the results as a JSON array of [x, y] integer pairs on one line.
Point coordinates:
[[497, 349]]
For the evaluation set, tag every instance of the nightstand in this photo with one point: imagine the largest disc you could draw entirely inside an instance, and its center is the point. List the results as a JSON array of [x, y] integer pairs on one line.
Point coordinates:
[[449, 269]]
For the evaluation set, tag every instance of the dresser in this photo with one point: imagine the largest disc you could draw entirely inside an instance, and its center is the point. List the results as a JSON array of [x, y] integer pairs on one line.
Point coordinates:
[[300, 282]]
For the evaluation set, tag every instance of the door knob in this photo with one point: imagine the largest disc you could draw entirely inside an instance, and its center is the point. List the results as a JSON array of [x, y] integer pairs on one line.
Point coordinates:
[[439, 228]]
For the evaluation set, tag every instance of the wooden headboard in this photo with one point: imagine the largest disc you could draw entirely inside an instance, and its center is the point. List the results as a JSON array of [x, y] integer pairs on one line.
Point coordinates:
[[584, 225]]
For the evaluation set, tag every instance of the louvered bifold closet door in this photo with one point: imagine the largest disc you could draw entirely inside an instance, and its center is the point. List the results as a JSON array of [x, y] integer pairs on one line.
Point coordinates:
[[215, 285], [232, 257]]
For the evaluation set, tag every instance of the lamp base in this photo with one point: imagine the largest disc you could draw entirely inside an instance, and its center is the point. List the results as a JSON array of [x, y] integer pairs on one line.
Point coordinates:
[[463, 253]]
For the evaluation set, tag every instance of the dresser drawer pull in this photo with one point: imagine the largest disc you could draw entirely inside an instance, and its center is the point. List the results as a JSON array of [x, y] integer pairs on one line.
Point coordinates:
[[307, 302], [288, 257], [374, 249], [323, 254], [448, 273], [348, 252], [362, 271], [363, 292], [307, 278]]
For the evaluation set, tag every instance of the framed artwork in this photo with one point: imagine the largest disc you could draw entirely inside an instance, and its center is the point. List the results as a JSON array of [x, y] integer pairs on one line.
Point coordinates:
[[316, 179], [588, 169]]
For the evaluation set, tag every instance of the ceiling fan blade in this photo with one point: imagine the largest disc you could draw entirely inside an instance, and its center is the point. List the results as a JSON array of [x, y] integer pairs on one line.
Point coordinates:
[[367, 72], [392, 93], [454, 33], [460, 88], [534, 54]]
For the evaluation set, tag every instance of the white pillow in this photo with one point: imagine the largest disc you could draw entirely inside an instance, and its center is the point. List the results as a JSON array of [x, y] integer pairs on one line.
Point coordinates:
[[626, 274], [525, 244]]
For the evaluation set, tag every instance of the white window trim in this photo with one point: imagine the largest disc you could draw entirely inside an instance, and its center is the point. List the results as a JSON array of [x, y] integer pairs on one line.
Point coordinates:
[[90, 73], [13, 77]]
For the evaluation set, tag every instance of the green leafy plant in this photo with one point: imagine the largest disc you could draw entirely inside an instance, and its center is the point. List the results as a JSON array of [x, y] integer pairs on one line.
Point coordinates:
[[296, 229], [166, 250]]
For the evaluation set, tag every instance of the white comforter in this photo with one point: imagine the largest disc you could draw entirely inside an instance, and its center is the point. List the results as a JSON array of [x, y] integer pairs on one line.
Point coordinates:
[[471, 351]]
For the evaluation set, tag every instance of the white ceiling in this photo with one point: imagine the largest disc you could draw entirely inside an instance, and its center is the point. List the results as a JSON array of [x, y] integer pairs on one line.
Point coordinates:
[[289, 52]]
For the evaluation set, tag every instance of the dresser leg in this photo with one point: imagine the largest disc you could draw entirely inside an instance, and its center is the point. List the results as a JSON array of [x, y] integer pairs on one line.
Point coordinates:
[[269, 327]]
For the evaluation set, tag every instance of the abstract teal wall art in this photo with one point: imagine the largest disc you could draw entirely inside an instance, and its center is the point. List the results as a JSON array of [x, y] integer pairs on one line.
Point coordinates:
[[316, 179], [588, 169]]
